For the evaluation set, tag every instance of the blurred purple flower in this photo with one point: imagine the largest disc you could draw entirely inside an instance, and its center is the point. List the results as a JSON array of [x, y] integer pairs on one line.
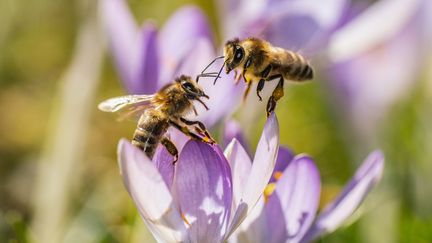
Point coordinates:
[[199, 199], [145, 58], [288, 211], [377, 57]]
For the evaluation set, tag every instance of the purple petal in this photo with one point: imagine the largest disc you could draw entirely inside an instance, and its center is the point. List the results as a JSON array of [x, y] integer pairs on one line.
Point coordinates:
[[232, 130], [351, 197], [204, 191], [179, 36], [146, 68], [366, 34], [240, 164], [122, 34], [261, 171], [178, 138], [292, 207], [150, 194], [254, 228], [164, 163], [284, 158], [263, 162]]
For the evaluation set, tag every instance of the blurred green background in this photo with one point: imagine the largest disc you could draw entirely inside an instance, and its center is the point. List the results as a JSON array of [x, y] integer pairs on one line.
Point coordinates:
[[51, 131]]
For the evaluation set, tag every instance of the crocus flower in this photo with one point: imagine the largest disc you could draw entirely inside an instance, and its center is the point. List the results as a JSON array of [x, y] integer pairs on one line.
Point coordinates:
[[199, 199], [287, 213]]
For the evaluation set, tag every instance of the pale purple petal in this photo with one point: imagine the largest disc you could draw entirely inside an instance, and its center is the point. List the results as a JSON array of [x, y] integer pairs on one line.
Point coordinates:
[[284, 158], [292, 207], [122, 34], [254, 228], [240, 164], [150, 194], [224, 96], [264, 161], [232, 130], [146, 69], [362, 33], [351, 197], [164, 163], [261, 171], [177, 137], [203, 190], [179, 36]]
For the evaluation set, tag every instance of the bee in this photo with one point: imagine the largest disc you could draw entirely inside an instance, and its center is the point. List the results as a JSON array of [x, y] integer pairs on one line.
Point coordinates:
[[257, 60], [161, 110]]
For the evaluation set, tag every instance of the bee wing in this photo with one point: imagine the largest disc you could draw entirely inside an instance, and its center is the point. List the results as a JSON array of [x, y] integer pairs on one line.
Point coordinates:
[[117, 103], [132, 113]]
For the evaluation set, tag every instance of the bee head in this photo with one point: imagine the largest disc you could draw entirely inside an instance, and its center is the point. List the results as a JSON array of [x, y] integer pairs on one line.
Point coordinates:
[[234, 54], [191, 89]]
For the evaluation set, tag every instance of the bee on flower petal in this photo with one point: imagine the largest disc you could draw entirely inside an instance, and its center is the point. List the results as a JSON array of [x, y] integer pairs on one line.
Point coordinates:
[[161, 110]]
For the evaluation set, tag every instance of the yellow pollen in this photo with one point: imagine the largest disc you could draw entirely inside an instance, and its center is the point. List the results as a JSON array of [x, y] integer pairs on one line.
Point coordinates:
[[277, 175], [269, 189], [184, 219]]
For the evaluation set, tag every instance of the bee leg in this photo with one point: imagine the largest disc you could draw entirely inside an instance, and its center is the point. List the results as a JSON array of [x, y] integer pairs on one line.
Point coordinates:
[[244, 77], [278, 93], [245, 67], [249, 84], [171, 148], [261, 83], [202, 129], [188, 133], [237, 77], [259, 88]]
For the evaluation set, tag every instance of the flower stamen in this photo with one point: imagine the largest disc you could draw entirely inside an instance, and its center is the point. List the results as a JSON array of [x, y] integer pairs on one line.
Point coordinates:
[[269, 189], [277, 175], [184, 219]]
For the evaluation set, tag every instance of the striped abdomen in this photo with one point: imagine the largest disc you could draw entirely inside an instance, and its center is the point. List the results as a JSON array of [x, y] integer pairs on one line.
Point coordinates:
[[296, 68], [149, 133]]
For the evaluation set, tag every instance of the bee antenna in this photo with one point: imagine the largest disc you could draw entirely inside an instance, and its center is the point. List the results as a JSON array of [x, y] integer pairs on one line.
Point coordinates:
[[207, 75], [220, 70], [214, 60], [202, 72]]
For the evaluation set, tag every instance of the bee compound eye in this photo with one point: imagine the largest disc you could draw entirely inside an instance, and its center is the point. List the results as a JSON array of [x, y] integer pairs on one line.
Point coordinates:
[[238, 55], [188, 86]]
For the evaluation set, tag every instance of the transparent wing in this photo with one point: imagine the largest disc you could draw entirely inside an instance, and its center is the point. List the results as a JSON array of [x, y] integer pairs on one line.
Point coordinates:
[[117, 103], [132, 113]]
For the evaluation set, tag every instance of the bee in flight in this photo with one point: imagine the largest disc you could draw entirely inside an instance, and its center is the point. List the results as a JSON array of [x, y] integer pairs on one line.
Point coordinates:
[[160, 111], [257, 60]]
